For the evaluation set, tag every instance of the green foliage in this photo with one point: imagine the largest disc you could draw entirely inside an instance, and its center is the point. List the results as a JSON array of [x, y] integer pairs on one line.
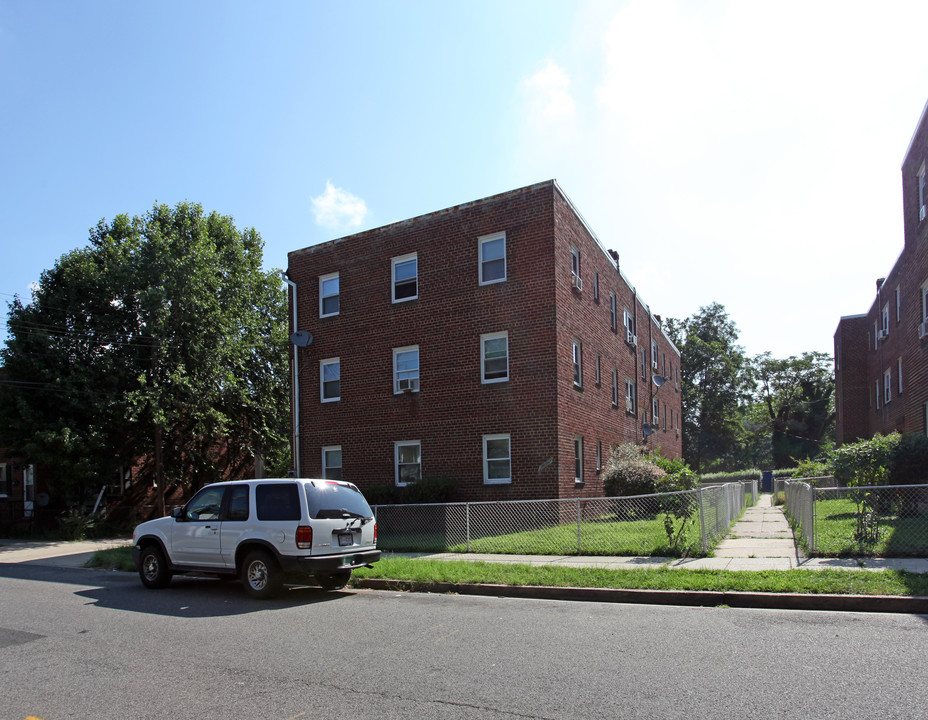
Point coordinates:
[[867, 462], [76, 524], [810, 469], [163, 326], [427, 490], [739, 476], [910, 460], [629, 471]]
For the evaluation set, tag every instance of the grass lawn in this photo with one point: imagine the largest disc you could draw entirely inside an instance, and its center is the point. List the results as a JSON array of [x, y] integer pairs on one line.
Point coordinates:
[[836, 524], [416, 571], [601, 537]]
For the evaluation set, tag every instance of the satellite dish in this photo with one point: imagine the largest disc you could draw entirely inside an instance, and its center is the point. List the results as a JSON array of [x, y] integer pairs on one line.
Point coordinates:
[[646, 429], [657, 380], [301, 338]]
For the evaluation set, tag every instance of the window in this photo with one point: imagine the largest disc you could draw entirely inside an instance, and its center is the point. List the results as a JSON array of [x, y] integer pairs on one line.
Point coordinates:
[[655, 413], [654, 354], [406, 369], [922, 194], [578, 459], [497, 461], [494, 357], [4, 480], [612, 311], [328, 295], [876, 335], [596, 290], [599, 455], [575, 262], [596, 371], [885, 318], [644, 364], [405, 271], [887, 386], [615, 387], [408, 460], [205, 505], [877, 394], [629, 321], [898, 304], [330, 383], [578, 363], [899, 374], [278, 502], [238, 503], [492, 250], [925, 302], [332, 462], [665, 417], [630, 402]]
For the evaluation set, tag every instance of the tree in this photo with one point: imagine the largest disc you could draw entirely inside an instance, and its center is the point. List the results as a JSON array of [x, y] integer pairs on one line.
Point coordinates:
[[797, 395], [715, 378], [163, 338]]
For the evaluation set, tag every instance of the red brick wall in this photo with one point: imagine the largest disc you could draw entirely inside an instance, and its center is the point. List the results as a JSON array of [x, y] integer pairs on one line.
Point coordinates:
[[851, 390], [453, 410]]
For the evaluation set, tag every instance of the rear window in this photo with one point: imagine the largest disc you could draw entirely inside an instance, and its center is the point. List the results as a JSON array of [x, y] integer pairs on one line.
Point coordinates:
[[277, 501], [328, 500]]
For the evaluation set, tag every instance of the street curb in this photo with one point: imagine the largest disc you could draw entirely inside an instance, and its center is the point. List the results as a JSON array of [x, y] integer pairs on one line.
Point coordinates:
[[917, 605]]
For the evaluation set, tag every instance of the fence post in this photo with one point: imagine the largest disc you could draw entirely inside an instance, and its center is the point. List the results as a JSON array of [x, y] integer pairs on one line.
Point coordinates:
[[467, 524], [578, 526], [812, 519], [702, 520]]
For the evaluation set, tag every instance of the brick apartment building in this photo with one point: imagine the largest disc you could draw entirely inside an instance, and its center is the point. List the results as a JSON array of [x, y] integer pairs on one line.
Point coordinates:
[[496, 343], [881, 357]]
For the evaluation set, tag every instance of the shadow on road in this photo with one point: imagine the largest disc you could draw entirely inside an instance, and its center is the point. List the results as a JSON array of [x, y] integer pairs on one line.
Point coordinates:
[[189, 597]]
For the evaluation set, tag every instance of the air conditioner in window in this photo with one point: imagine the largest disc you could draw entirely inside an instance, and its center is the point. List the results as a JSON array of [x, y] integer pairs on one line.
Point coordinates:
[[576, 282], [630, 337], [408, 385], [923, 212], [629, 405], [923, 330], [884, 334]]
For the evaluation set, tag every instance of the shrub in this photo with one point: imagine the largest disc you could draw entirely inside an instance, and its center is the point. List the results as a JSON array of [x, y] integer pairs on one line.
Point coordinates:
[[630, 472], [810, 469], [427, 490]]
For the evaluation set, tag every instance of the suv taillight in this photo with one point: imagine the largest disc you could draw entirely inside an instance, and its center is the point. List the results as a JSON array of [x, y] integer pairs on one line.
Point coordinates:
[[375, 533], [304, 537]]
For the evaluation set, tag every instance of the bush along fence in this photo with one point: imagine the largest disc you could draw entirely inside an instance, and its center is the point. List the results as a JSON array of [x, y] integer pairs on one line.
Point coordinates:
[[878, 521], [666, 524]]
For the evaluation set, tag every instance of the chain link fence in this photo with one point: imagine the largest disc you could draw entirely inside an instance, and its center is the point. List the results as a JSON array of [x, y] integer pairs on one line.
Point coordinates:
[[665, 524], [881, 521]]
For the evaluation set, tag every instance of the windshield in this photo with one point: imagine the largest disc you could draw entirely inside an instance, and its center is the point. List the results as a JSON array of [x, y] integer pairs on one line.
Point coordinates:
[[329, 500]]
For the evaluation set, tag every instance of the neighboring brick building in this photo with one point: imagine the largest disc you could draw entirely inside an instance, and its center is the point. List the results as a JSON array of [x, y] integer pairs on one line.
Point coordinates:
[[881, 358], [496, 343]]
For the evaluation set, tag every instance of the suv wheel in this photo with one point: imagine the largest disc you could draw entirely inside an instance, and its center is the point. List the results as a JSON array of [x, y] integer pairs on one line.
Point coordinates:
[[261, 577], [333, 581], [153, 568]]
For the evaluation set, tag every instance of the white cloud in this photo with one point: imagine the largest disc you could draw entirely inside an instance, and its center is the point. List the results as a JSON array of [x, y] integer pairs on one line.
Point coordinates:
[[338, 209], [549, 91]]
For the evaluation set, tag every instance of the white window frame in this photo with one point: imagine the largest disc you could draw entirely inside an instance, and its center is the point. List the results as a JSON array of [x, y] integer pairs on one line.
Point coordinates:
[[481, 243], [598, 378], [578, 459], [924, 293], [396, 459], [483, 357], [413, 386], [631, 400], [884, 315], [877, 393], [575, 261], [922, 194], [577, 350], [599, 455], [887, 386], [629, 322], [323, 279], [326, 467], [613, 312], [876, 334], [898, 304], [323, 364], [655, 413], [615, 387], [5, 471], [487, 480], [596, 287], [899, 373], [399, 261]]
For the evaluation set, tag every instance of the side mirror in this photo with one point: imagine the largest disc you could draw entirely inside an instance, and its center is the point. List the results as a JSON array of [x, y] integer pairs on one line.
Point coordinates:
[[177, 513]]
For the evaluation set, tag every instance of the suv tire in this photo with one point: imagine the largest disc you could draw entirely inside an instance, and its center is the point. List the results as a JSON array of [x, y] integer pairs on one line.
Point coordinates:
[[153, 568], [333, 581], [261, 576]]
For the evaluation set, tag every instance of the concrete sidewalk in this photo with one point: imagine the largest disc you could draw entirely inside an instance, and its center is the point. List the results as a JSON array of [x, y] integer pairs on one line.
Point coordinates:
[[56, 553]]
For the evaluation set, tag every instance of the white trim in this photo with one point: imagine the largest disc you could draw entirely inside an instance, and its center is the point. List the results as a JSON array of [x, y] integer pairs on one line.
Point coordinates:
[[322, 366], [615, 387], [578, 459], [504, 335], [325, 468], [409, 257], [487, 480], [413, 386], [887, 386], [481, 241], [577, 362], [396, 459], [322, 280], [899, 374]]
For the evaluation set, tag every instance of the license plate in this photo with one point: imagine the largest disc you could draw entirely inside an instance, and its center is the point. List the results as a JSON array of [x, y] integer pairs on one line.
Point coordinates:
[[346, 539]]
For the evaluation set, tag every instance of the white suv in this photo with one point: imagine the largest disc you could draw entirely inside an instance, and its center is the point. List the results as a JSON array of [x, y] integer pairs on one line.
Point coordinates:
[[263, 531]]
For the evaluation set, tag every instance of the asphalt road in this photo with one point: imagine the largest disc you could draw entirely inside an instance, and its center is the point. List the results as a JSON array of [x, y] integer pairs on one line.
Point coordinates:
[[92, 644]]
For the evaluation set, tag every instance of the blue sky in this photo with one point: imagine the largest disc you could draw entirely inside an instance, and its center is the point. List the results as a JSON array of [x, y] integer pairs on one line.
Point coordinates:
[[746, 153]]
